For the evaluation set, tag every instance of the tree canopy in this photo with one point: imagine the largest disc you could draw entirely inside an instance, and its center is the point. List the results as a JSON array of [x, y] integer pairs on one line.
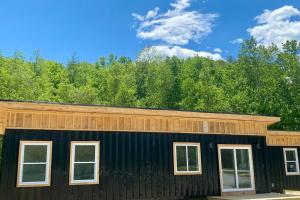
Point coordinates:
[[261, 80]]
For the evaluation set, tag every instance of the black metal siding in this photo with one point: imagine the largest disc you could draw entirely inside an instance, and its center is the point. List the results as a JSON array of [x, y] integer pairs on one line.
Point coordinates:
[[279, 180], [132, 166]]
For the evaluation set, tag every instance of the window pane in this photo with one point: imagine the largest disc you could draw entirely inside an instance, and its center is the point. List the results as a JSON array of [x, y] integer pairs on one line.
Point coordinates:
[[228, 173], [242, 159], [181, 158], [84, 171], [35, 153], [244, 179], [291, 166], [229, 179], [85, 153], [290, 155], [227, 159], [34, 173], [193, 158]]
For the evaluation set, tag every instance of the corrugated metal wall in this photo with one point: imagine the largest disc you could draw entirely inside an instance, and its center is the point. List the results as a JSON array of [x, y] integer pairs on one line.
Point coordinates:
[[133, 166]]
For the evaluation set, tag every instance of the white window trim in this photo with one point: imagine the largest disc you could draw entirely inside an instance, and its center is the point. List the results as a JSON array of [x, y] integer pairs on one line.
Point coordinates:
[[47, 181], [234, 147], [97, 160], [185, 144], [285, 161]]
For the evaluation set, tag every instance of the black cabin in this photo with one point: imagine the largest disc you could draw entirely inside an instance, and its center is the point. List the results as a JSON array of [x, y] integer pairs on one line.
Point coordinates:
[[87, 152]]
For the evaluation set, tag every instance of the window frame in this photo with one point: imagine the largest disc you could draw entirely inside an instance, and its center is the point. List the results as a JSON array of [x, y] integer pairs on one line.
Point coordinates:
[[235, 147], [186, 144], [295, 150], [21, 163], [96, 162]]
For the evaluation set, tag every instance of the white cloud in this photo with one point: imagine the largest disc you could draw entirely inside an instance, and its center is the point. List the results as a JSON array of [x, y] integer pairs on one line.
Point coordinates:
[[237, 41], [277, 26], [218, 50], [169, 51], [181, 4], [177, 26]]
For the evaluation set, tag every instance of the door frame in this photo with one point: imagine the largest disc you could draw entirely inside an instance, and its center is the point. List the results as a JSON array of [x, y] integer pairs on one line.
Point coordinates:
[[236, 146]]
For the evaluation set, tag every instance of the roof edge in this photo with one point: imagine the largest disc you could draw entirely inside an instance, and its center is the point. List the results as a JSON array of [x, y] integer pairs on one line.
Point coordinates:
[[283, 138], [61, 107], [281, 132]]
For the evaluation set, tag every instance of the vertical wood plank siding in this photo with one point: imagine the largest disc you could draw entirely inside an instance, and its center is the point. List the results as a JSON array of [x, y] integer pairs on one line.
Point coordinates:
[[54, 116], [133, 166], [49, 120], [283, 138]]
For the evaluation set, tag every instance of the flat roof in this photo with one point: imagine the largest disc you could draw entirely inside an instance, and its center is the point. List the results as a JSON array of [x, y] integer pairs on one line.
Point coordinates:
[[93, 108]]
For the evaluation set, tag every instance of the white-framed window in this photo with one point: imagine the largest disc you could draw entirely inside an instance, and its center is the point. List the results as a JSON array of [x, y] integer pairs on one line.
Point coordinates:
[[187, 158], [34, 164], [291, 161], [236, 167], [84, 162]]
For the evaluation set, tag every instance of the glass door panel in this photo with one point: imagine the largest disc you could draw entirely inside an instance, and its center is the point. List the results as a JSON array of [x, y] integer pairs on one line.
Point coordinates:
[[228, 171], [243, 168], [236, 168], [244, 179]]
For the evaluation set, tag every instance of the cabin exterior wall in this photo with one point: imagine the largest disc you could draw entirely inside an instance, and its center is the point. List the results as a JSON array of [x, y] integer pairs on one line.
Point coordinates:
[[279, 180], [132, 166]]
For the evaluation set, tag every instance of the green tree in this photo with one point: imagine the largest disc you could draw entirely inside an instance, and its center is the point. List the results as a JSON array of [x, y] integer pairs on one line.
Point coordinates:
[[261, 80]]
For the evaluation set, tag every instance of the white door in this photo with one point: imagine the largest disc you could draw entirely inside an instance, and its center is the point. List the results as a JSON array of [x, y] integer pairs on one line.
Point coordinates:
[[236, 168]]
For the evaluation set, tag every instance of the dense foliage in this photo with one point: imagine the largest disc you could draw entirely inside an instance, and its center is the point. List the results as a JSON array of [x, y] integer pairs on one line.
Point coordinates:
[[261, 80]]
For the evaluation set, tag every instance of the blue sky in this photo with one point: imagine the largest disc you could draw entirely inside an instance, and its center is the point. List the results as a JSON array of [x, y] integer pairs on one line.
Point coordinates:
[[94, 28]]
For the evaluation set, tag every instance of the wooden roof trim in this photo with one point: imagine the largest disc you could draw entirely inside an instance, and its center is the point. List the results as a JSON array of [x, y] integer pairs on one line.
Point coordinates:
[[54, 120], [288, 133], [283, 138], [29, 106]]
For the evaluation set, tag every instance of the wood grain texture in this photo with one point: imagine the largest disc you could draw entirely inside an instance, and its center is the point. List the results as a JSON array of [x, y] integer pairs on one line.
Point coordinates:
[[283, 138], [50, 120], [3, 120], [132, 111], [25, 115]]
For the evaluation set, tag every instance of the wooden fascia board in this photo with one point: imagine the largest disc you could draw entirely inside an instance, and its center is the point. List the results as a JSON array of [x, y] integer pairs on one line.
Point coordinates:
[[134, 111], [25, 115], [283, 138]]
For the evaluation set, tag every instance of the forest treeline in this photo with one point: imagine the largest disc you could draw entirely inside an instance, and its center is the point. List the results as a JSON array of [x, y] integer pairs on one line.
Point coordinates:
[[261, 80]]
